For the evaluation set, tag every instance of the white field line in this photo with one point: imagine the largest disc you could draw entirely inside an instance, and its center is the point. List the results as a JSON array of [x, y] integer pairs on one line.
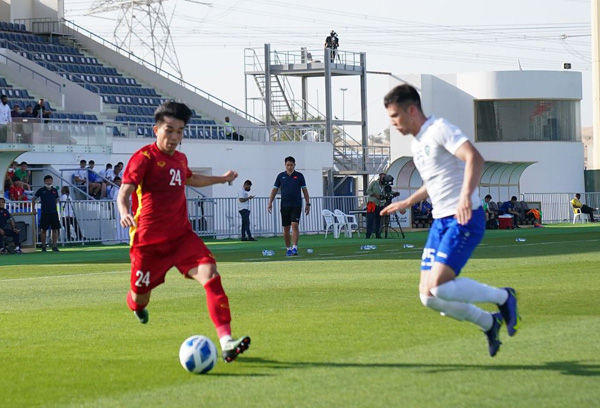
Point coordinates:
[[62, 276]]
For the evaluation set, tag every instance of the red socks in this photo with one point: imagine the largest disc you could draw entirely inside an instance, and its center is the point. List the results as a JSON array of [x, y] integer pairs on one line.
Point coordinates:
[[218, 306], [132, 305]]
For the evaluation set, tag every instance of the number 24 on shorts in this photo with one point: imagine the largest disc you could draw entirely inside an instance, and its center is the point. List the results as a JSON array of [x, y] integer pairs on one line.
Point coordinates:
[[143, 278]]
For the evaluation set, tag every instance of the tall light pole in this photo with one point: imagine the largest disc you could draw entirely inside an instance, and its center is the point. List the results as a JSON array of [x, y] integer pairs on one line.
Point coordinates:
[[344, 109]]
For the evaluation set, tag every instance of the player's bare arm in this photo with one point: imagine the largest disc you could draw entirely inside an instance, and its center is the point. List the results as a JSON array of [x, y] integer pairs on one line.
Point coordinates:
[[473, 168], [200, 180], [271, 198], [418, 196], [124, 205], [306, 200]]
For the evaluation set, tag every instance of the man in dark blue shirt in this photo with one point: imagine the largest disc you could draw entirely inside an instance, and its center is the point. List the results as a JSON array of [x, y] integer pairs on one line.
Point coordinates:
[[8, 228], [291, 184], [48, 196], [508, 208]]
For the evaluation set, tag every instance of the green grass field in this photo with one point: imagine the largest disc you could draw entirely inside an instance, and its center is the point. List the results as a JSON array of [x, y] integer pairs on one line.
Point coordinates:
[[337, 328]]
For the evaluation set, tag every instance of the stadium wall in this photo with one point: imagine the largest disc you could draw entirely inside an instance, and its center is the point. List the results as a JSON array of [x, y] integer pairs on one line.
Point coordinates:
[[257, 161], [559, 164]]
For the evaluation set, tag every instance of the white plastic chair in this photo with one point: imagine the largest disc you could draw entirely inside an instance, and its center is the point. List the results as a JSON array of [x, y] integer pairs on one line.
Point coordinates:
[[331, 222], [349, 221], [578, 215]]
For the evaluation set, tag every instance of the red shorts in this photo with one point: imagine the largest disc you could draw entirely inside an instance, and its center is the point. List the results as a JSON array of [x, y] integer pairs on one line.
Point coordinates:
[[150, 264]]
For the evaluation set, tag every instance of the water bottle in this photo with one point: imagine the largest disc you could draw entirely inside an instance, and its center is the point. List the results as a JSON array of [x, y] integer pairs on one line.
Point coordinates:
[[368, 247], [521, 240], [409, 246], [309, 251], [268, 252]]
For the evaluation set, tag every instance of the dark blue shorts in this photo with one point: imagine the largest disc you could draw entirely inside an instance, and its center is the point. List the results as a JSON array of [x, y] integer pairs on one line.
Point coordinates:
[[451, 243]]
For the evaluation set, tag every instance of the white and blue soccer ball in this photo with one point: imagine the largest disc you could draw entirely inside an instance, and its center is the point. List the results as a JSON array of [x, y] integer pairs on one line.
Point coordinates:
[[198, 354]]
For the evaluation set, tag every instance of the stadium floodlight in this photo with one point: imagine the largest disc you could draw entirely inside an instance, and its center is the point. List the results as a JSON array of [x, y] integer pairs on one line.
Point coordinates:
[[142, 28]]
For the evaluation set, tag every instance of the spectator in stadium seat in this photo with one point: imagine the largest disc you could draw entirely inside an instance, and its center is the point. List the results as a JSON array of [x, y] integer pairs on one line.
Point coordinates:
[[230, 132], [422, 209], [16, 112], [11, 170], [95, 181], [107, 173], [490, 213], [80, 179], [39, 112], [8, 228], [17, 192], [112, 192], [7, 185], [24, 175], [508, 208], [576, 203], [28, 113]]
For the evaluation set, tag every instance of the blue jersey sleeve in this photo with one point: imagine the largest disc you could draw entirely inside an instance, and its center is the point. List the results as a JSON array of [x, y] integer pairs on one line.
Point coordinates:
[[302, 181]]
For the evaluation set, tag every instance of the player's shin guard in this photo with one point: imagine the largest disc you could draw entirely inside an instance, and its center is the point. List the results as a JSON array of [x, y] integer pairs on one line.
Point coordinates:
[[459, 311], [134, 306], [218, 306]]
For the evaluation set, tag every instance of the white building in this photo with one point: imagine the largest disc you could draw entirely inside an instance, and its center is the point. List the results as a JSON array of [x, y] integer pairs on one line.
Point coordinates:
[[526, 124]]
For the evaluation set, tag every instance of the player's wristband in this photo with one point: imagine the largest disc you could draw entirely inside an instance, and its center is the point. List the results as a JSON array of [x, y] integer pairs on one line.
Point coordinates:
[[308, 204]]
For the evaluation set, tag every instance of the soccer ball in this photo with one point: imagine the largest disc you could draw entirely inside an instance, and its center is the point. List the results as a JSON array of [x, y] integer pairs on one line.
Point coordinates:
[[198, 354]]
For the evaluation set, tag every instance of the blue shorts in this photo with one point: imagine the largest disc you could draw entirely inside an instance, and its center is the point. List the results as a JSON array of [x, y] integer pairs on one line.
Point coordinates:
[[451, 243]]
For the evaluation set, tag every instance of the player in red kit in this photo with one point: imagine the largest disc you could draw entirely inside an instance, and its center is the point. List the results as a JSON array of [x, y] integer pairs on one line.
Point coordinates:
[[155, 178]]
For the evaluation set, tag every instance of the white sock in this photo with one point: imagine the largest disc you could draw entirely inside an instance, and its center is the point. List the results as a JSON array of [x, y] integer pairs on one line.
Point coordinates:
[[224, 340], [294, 246], [289, 248], [460, 311], [469, 291]]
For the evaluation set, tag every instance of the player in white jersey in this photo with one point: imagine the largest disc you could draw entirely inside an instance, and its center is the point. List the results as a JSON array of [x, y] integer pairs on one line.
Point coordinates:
[[450, 167]]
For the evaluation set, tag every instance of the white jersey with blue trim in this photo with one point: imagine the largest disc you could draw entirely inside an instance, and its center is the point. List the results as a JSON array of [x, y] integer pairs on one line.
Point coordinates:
[[442, 172]]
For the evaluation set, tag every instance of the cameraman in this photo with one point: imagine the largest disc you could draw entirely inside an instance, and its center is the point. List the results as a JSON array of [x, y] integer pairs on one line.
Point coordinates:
[[376, 202], [332, 42]]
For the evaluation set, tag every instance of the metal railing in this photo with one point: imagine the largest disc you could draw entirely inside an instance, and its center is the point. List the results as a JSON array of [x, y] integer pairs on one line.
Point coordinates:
[[55, 137], [254, 58], [98, 221], [556, 207]]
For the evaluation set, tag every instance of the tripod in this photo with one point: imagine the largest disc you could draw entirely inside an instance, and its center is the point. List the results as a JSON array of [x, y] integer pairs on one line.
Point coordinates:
[[387, 226]]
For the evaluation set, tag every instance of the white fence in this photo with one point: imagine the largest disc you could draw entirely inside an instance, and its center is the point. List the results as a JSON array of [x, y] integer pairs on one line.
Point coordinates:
[[98, 220], [556, 207]]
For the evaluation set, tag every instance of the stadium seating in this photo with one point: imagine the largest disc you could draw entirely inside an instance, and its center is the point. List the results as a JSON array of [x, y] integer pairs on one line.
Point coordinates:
[[135, 103]]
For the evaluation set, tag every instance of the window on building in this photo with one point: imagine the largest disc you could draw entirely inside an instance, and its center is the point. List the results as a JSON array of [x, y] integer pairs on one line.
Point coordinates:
[[527, 120]]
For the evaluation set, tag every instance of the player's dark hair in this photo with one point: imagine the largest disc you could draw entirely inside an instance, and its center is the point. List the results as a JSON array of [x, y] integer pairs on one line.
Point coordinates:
[[513, 198], [3, 199], [403, 96], [488, 196], [23, 163], [290, 159], [16, 179], [48, 177], [174, 110], [248, 182], [576, 195]]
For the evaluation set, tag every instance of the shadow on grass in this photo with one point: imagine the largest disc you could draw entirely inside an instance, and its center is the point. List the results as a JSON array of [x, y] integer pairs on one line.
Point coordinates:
[[577, 368]]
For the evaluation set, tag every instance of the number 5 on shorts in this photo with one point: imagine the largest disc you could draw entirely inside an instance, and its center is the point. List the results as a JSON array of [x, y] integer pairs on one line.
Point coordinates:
[[142, 278]]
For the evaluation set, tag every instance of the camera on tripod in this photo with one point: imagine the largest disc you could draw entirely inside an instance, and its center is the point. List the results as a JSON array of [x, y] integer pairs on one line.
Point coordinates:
[[388, 194]]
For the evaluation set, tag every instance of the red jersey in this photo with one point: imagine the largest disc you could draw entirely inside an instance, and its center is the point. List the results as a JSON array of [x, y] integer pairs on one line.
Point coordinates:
[[159, 203], [17, 193]]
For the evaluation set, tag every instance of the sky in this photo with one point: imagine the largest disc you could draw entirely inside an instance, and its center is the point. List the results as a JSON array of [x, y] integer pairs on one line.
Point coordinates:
[[398, 37]]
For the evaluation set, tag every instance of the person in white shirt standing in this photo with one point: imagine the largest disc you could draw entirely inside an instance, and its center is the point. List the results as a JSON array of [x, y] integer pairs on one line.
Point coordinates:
[[450, 167], [4, 118], [244, 209]]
